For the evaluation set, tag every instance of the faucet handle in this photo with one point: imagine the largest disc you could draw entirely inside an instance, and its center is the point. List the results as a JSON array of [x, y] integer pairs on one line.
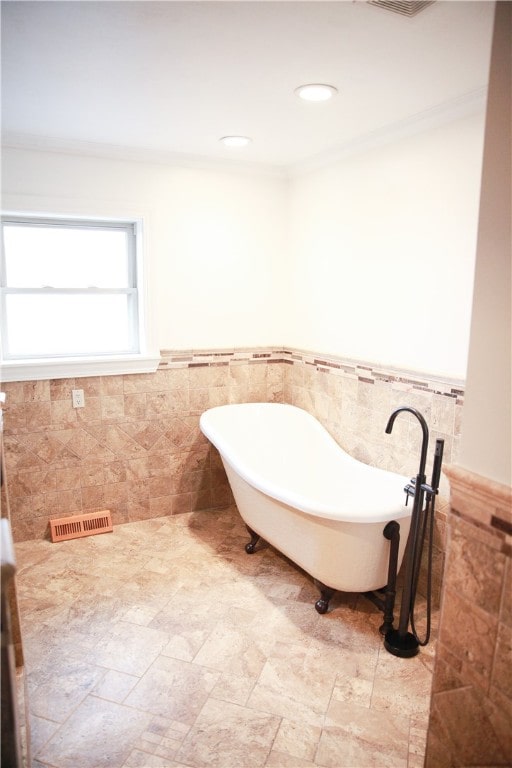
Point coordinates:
[[410, 489]]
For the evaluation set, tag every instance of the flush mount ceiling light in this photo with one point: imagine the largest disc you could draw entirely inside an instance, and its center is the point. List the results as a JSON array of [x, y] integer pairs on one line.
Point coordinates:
[[316, 92], [235, 141]]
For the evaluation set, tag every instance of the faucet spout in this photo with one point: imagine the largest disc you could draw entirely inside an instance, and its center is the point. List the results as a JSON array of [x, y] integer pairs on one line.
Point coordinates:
[[424, 428]]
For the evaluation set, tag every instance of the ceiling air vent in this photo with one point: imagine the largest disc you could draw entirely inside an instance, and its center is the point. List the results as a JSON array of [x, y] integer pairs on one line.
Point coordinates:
[[403, 7]]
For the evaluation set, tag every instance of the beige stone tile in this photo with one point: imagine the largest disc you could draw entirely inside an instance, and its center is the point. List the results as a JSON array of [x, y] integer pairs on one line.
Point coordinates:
[[226, 735], [502, 668], [129, 648], [469, 632], [112, 407], [357, 736], [402, 685], [160, 505], [294, 685], [140, 759], [180, 599], [476, 739], [115, 686], [135, 406], [40, 414], [297, 739], [91, 385], [136, 382], [88, 448], [417, 741], [41, 730], [140, 615], [506, 603], [474, 569], [99, 733], [500, 710], [145, 433], [174, 689], [185, 645], [115, 472], [137, 469], [443, 414], [234, 649], [58, 692], [36, 390], [355, 689], [283, 760], [29, 482], [235, 689], [120, 442], [111, 385], [160, 486], [91, 412], [67, 479]]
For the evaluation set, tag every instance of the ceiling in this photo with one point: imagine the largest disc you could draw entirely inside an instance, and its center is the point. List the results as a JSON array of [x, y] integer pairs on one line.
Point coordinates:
[[166, 80]]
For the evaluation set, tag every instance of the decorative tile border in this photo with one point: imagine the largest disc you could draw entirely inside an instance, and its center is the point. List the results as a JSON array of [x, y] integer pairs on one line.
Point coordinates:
[[356, 369], [482, 502]]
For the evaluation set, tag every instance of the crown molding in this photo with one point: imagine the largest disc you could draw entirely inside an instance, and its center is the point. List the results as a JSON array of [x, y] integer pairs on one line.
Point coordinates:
[[473, 102], [55, 144]]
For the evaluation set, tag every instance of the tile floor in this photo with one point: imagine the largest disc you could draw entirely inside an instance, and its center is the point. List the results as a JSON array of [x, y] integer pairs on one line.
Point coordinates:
[[164, 645]]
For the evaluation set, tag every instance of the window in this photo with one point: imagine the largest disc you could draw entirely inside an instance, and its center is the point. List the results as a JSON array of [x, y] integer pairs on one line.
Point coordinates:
[[70, 291]]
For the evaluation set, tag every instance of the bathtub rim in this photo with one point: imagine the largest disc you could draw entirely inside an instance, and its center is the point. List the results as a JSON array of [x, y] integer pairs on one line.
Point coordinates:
[[285, 495]]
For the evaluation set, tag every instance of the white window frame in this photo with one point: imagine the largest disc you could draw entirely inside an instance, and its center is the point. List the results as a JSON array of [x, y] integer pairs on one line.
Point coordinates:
[[141, 360]]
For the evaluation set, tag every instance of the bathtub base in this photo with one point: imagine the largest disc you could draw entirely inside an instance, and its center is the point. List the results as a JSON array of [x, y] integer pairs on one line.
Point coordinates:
[[385, 601], [250, 547], [326, 593]]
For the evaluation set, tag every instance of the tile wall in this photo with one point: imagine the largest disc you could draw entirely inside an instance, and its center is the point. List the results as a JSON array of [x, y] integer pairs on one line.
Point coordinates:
[[136, 448], [471, 704]]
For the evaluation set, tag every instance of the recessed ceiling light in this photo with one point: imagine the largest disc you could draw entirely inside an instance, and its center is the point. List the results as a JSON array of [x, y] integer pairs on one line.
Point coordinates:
[[235, 141], [316, 92]]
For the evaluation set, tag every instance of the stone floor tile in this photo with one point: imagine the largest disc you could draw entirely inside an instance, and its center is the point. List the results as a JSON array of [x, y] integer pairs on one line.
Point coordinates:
[[233, 688], [283, 760], [129, 648], [400, 686], [293, 684], [232, 647], [115, 686], [358, 736], [173, 689], [297, 739], [62, 690], [40, 731], [97, 735], [186, 652], [227, 735], [140, 759]]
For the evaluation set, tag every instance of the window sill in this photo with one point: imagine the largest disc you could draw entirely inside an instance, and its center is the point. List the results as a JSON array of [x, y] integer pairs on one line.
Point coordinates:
[[73, 367]]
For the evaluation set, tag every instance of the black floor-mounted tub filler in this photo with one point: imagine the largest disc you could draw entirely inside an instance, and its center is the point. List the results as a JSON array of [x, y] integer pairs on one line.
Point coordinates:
[[404, 641]]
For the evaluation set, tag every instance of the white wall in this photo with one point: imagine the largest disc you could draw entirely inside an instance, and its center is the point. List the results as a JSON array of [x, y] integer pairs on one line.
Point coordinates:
[[372, 258], [383, 248], [487, 419], [214, 239]]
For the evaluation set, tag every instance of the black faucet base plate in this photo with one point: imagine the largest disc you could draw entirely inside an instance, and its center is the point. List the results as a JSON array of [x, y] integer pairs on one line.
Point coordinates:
[[406, 646]]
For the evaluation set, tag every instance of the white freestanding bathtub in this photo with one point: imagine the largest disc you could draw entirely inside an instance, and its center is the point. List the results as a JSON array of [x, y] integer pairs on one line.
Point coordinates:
[[297, 489]]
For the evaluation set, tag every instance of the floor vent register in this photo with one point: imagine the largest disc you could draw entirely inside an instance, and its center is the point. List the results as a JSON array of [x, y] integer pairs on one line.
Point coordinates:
[[88, 524]]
